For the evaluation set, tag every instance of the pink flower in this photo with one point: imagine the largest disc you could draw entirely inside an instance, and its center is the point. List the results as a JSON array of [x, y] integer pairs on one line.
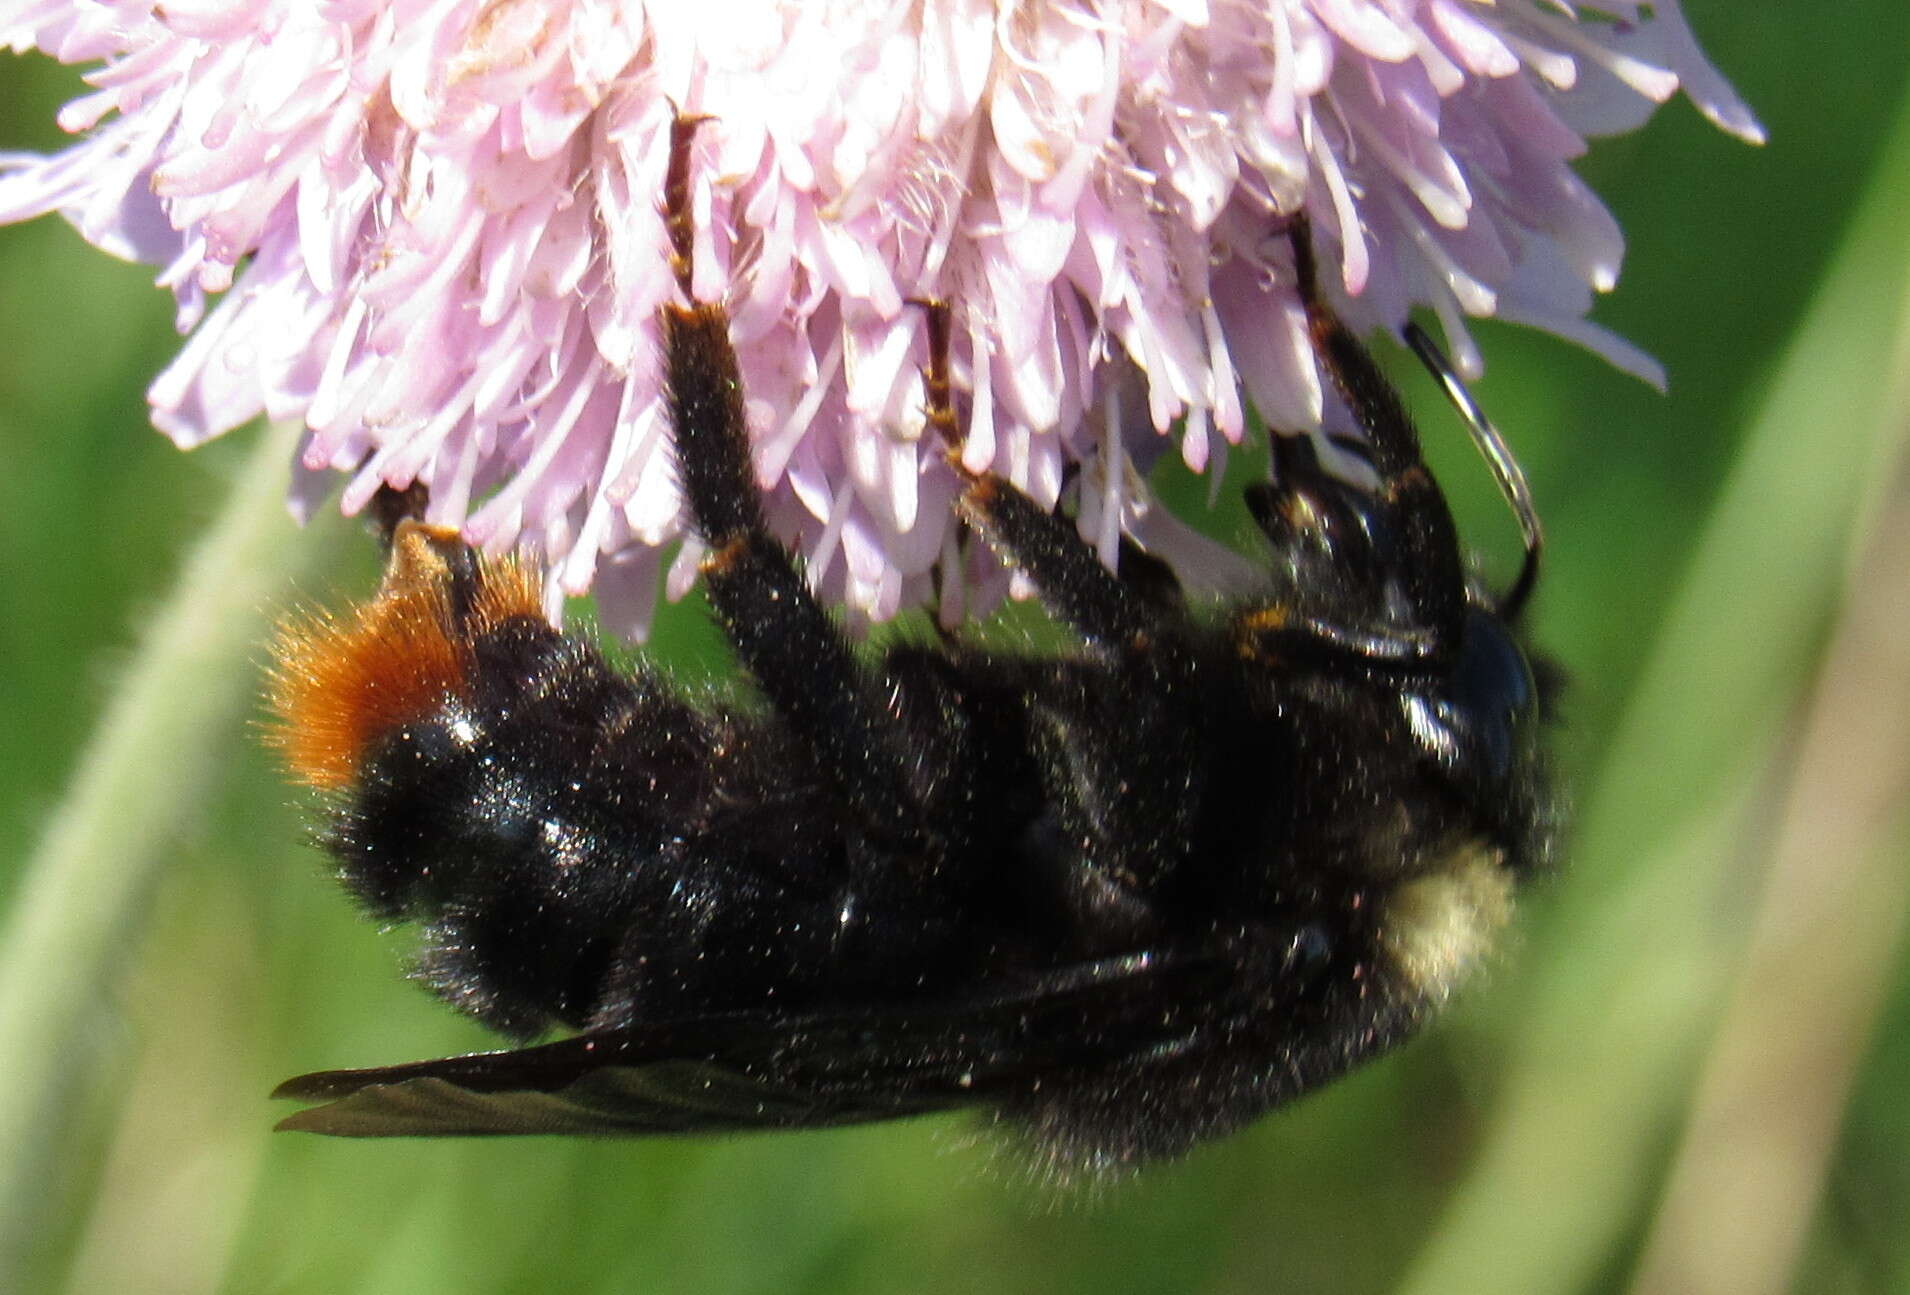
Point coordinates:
[[429, 230]]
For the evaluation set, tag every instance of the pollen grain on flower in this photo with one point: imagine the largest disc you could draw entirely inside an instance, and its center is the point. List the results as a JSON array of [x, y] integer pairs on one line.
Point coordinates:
[[431, 233]]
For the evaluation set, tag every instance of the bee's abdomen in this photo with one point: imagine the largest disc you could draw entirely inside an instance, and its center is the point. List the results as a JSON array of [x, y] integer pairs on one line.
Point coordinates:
[[564, 834], [516, 819]]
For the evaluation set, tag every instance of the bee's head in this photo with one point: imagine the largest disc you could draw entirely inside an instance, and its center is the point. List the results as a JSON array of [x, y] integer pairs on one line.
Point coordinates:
[[1426, 701]]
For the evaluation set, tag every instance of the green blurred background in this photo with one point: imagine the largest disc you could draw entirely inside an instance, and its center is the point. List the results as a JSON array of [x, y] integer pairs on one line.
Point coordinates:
[[1689, 1074]]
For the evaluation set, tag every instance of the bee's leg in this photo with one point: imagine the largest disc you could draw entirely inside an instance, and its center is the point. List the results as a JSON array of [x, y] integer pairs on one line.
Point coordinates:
[[1427, 562], [782, 636], [1151, 580], [1148, 578], [1126, 758], [1073, 582]]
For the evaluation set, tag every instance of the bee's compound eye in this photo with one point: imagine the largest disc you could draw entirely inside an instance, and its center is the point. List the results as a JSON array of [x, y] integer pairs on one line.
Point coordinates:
[[1479, 720], [1493, 676]]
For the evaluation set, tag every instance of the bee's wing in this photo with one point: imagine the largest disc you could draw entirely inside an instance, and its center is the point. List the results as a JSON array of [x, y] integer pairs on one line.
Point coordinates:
[[765, 1070]]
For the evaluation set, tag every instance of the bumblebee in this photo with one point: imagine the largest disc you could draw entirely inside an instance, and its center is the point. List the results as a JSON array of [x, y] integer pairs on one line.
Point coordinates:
[[1122, 899]]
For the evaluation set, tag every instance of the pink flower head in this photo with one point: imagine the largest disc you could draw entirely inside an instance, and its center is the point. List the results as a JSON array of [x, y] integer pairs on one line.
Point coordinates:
[[430, 231]]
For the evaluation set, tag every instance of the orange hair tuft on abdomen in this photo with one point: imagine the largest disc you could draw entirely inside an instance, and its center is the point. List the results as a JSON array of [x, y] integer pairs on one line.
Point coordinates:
[[339, 684]]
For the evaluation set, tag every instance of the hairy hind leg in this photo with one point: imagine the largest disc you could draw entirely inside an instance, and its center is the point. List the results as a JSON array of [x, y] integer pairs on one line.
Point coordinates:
[[798, 656]]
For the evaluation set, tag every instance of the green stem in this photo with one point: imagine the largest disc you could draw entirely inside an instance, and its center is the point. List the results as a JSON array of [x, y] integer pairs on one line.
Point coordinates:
[[84, 891]]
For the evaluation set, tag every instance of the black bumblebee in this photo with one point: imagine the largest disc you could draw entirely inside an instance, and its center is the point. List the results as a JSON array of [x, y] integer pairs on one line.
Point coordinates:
[[1124, 898]]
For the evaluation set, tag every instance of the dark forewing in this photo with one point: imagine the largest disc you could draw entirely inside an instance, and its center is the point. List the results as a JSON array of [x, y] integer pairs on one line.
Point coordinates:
[[768, 1070]]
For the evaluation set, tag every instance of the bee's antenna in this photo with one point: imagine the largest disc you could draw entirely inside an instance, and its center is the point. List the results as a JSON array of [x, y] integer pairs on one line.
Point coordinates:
[[1498, 455]]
